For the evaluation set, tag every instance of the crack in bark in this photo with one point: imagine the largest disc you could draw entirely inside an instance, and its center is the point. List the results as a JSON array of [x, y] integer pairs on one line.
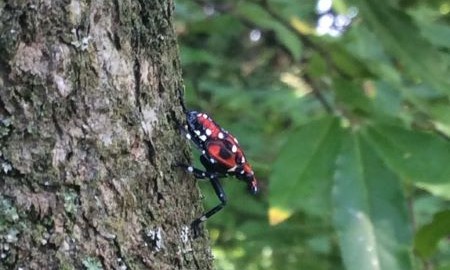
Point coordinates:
[[137, 78], [135, 44], [151, 152], [58, 127], [119, 253]]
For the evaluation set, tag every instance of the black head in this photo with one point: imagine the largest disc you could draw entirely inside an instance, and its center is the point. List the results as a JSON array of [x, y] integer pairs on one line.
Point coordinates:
[[191, 118]]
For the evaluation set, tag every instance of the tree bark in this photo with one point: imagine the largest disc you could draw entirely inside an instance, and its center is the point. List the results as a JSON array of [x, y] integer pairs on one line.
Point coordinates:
[[89, 115]]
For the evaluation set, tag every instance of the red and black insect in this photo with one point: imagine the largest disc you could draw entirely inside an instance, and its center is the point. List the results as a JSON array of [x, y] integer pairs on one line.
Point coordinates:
[[221, 156]]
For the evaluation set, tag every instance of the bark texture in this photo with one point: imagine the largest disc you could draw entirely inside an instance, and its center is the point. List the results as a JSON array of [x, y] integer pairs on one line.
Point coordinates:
[[89, 113]]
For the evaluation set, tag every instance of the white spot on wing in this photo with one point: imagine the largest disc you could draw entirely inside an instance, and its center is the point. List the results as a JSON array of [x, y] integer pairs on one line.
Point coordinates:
[[188, 136], [202, 137], [190, 169], [232, 169], [205, 116], [208, 132], [221, 135], [243, 160], [197, 132], [234, 149]]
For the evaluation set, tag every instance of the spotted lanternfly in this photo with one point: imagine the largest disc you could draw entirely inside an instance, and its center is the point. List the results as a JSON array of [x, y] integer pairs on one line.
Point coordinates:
[[221, 156]]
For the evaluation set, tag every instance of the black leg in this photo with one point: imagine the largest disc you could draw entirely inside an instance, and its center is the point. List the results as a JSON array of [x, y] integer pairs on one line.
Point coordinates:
[[195, 225], [213, 177], [200, 174]]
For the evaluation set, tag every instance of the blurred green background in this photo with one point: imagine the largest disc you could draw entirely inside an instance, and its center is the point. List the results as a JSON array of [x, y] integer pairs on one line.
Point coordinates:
[[343, 109]]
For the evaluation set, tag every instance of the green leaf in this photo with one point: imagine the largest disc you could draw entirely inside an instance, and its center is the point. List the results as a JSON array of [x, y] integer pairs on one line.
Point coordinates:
[[369, 215], [257, 15], [441, 112], [427, 238], [438, 34], [387, 102], [346, 61], [302, 173], [194, 56], [352, 95], [441, 190], [416, 156], [397, 31]]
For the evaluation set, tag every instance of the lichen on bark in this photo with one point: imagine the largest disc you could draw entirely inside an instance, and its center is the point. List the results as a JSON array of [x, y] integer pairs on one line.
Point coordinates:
[[89, 115]]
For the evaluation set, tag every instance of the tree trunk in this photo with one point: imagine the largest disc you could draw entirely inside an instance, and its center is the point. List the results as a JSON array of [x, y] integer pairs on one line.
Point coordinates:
[[89, 115]]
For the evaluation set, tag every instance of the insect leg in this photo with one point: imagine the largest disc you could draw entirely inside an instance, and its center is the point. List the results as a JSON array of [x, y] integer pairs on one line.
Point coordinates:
[[198, 173], [195, 225]]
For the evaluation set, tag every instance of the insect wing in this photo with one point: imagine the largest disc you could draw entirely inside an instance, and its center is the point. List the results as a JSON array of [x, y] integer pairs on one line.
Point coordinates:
[[217, 150]]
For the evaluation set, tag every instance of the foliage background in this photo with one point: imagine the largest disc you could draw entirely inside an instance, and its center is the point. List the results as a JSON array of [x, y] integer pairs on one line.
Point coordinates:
[[348, 131]]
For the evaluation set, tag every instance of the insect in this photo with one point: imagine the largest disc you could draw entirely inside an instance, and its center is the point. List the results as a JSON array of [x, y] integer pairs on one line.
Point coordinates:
[[221, 156]]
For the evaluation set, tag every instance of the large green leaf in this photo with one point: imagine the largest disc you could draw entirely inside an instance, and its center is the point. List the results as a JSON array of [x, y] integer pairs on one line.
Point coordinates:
[[401, 37], [416, 156], [302, 173], [370, 214]]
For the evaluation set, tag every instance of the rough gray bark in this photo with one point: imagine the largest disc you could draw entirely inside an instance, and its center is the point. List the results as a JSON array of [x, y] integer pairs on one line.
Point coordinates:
[[88, 137]]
